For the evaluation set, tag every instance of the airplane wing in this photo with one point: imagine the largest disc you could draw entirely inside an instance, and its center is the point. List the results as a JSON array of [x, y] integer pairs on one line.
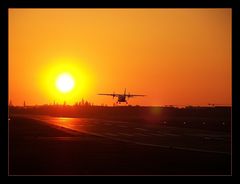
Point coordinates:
[[106, 94], [130, 96], [109, 94]]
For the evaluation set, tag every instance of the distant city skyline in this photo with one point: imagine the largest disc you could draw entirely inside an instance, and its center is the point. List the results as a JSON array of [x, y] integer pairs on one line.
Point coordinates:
[[89, 103]]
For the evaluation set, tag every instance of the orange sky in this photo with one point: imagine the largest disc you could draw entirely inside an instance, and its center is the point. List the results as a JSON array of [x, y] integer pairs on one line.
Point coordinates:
[[174, 56]]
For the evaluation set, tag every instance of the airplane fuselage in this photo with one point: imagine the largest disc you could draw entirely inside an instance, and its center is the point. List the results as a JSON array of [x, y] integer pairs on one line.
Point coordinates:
[[122, 98]]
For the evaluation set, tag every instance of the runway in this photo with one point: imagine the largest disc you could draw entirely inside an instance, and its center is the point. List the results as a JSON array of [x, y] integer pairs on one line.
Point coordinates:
[[158, 144], [145, 134]]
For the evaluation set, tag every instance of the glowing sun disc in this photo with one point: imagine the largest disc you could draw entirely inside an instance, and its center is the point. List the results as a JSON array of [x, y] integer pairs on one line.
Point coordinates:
[[65, 83]]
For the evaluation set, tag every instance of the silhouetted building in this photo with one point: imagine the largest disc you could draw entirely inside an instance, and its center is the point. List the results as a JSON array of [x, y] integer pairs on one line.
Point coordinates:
[[10, 103]]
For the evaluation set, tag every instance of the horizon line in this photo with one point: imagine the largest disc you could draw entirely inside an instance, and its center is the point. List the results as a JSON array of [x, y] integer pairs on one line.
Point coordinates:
[[127, 105]]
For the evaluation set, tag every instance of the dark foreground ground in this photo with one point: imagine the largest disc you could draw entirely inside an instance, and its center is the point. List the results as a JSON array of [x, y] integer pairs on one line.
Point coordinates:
[[42, 148]]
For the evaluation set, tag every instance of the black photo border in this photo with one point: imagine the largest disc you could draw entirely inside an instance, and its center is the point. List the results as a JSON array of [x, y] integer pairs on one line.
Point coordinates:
[[6, 4]]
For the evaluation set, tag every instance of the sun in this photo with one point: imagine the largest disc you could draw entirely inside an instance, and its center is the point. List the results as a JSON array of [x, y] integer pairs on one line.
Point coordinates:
[[65, 83]]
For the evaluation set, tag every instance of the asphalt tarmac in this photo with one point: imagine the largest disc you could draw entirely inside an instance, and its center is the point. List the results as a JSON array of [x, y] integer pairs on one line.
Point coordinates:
[[45, 145]]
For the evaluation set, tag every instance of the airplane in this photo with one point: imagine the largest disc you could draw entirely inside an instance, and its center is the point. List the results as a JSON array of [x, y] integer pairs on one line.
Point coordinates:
[[121, 97]]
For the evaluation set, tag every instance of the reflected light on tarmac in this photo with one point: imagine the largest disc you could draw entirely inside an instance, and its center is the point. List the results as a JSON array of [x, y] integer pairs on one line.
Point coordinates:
[[70, 123], [63, 119]]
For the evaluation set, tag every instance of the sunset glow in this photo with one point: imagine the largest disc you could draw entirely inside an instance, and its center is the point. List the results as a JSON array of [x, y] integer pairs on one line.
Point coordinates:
[[174, 56]]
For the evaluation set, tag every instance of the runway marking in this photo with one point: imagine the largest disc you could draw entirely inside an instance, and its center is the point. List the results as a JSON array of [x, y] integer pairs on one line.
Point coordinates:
[[156, 134], [61, 138], [182, 148], [116, 121], [111, 134], [141, 129], [214, 138], [209, 136], [130, 135]]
